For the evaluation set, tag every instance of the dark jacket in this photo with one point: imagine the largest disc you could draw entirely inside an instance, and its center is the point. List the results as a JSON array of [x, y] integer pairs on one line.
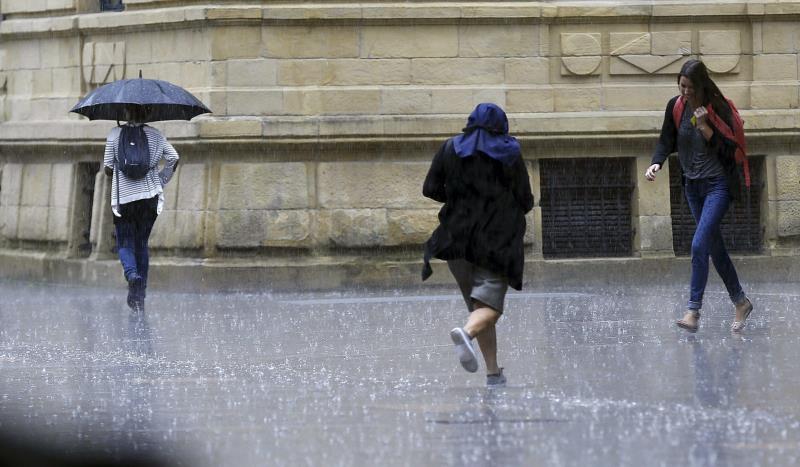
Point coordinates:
[[722, 147], [483, 217]]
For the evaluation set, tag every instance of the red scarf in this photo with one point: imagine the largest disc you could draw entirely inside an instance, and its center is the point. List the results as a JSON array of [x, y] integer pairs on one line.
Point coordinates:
[[736, 134]]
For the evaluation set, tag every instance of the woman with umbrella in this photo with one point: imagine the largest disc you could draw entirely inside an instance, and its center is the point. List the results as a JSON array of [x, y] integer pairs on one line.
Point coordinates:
[[481, 178], [132, 156], [136, 202]]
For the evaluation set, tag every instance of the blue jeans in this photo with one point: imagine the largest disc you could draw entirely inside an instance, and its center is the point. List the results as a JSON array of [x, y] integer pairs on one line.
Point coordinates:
[[709, 200], [133, 232]]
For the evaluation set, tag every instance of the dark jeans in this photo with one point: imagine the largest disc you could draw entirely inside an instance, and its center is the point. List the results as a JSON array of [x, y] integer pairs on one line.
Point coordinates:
[[133, 232], [709, 200]]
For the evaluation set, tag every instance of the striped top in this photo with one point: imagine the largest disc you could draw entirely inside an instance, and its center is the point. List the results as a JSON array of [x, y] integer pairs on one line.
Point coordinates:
[[151, 184]]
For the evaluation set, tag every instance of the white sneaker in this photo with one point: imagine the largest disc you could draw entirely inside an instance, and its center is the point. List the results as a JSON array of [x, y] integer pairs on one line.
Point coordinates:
[[464, 349]]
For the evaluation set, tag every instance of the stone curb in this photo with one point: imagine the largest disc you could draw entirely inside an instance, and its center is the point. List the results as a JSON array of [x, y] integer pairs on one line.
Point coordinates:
[[328, 273]]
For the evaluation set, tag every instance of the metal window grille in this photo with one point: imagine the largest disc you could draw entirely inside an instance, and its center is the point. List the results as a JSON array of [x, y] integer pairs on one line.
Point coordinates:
[[741, 226], [111, 5], [586, 207]]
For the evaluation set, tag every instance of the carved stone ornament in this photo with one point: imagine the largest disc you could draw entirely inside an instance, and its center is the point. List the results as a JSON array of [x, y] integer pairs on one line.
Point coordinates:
[[103, 62], [581, 54], [721, 51], [649, 53]]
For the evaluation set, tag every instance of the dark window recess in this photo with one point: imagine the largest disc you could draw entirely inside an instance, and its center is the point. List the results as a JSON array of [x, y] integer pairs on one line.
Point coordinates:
[[586, 207], [741, 226], [111, 5], [86, 173]]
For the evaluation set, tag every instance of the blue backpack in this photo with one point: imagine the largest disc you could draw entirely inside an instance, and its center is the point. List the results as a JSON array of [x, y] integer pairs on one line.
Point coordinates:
[[133, 153]]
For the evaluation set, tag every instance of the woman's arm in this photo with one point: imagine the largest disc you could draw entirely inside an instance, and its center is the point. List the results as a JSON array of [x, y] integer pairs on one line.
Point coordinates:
[[108, 156], [171, 155], [668, 136], [521, 186], [433, 187], [666, 142]]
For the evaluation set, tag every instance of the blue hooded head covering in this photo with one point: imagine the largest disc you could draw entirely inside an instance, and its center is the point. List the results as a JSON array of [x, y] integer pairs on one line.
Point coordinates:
[[487, 132]]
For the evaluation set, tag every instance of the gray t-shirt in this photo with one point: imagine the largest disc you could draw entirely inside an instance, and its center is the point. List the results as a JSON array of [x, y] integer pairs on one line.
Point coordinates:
[[692, 155]]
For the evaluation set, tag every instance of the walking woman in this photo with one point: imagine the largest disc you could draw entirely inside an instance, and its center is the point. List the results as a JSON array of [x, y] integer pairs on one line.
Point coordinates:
[[710, 180], [137, 196], [481, 178]]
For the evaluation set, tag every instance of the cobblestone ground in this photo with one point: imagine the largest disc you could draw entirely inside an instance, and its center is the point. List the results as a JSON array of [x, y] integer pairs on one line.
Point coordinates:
[[597, 376]]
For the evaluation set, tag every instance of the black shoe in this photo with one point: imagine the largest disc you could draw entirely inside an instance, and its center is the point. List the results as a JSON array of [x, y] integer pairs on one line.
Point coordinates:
[[135, 280], [135, 290], [137, 307], [135, 304]]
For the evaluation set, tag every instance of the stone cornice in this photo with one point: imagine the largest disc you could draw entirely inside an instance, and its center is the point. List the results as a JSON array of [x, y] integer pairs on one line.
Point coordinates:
[[572, 125], [396, 13]]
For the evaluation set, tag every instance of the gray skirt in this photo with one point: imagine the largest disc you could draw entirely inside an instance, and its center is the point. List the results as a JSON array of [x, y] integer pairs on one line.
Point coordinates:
[[477, 283]]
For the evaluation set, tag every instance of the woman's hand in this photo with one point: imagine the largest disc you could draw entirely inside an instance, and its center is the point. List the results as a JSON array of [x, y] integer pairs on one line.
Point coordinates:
[[650, 174], [700, 115], [701, 122]]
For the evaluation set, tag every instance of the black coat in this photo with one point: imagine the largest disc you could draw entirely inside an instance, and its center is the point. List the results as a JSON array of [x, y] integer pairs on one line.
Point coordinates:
[[719, 145], [483, 217]]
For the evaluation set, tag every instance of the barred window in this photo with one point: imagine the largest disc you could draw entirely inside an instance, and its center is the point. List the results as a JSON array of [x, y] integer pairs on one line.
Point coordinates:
[[586, 207], [111, 5], [741, 227]]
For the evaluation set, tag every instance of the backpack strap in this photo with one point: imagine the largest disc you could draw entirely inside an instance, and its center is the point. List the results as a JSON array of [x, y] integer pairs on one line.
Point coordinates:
[[677, 111], [150, 164], [116, 171]]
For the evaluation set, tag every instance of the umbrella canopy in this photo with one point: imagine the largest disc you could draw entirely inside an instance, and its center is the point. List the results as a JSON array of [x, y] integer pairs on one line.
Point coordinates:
[[140, 100]]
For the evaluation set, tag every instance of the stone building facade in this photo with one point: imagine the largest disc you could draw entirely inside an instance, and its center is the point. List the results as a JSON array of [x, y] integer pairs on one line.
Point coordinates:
[[326, 116]]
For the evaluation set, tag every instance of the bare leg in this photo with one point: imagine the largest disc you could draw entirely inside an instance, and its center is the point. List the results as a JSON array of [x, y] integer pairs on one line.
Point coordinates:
[[481, 319], [690, 321], [480, 325], [488, 342]]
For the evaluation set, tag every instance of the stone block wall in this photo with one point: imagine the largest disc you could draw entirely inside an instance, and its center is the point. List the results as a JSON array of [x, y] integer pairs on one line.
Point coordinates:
[[35, 202], [182, 222], [326, 116], [294, 205], [787, 195], [263, 204]]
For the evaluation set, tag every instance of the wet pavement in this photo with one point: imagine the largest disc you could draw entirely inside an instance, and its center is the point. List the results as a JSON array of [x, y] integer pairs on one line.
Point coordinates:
[[597, 376]]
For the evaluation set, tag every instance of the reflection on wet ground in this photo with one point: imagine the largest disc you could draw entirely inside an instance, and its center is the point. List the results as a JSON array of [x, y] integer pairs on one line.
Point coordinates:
[[597, 376]]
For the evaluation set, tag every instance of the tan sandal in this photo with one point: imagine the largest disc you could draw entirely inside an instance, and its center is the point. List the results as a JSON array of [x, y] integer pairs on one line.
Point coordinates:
[[747, 306], [687, 325]]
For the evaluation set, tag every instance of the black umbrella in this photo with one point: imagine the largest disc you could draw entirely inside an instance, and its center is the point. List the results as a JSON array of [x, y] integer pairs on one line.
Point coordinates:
[[150, 100]]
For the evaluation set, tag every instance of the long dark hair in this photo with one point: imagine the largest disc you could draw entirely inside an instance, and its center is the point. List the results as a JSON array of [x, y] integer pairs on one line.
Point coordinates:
[[697, 73]]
